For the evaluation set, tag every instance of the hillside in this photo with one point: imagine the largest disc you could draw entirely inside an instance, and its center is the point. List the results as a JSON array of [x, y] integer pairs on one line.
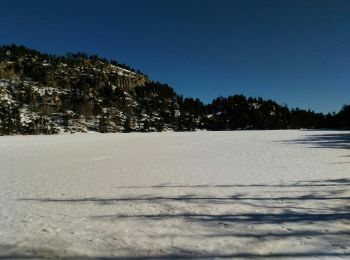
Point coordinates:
[[48, 94]]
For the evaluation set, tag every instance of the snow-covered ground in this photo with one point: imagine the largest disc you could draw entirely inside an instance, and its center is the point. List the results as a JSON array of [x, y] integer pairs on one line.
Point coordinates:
[[201, 195]]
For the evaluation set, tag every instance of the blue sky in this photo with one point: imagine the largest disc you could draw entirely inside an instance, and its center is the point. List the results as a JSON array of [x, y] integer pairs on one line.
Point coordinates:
[[296, 52]]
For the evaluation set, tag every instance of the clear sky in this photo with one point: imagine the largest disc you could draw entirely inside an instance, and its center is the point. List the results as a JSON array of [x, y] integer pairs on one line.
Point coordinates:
[[296, 52]]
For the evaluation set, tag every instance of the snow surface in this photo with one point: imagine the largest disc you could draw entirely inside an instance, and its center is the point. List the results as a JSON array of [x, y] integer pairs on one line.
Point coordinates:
[[200, 195]]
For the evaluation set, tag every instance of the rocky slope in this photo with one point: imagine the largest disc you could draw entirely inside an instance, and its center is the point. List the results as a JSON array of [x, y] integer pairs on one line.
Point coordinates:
[[47, 94]]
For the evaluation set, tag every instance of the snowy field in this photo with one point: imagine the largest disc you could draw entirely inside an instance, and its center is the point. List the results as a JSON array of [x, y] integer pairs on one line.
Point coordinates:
[[201, 195]]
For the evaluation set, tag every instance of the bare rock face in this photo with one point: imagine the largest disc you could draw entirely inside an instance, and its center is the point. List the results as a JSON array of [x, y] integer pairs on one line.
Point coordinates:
[[127, 79]]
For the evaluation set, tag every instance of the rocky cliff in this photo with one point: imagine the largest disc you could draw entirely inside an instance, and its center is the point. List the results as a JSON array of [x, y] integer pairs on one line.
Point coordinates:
[[47, 94]]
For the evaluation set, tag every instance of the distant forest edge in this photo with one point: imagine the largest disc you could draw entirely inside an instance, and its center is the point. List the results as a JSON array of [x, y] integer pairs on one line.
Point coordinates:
[[48, 94]]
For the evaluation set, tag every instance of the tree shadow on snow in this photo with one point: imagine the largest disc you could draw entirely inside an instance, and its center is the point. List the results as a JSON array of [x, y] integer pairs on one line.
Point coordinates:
[[336, 140], [42, 253], [12, 251], [328, 206]]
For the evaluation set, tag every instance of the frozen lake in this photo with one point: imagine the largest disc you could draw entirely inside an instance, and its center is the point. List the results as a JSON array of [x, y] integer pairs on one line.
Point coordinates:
[[200, 195]]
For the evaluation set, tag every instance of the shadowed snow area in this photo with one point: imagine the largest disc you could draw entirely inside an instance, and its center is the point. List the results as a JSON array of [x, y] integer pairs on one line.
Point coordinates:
[[199, 195]]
